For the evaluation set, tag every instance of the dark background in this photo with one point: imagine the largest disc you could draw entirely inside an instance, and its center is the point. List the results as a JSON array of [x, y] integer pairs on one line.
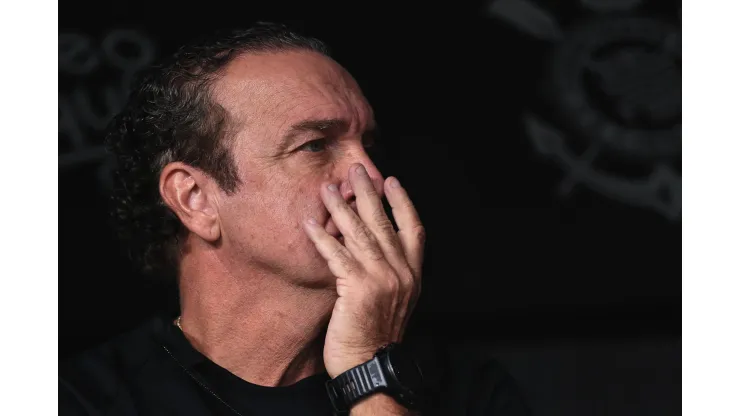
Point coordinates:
[[540, 142]]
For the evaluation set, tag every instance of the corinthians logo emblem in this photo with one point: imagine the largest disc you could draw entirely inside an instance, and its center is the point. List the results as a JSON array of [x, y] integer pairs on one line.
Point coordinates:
[[96, 78], [613, 88]]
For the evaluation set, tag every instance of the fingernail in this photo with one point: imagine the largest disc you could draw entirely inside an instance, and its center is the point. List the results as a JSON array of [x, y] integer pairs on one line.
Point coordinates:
[[312, 221], [395, 183], [333, 188], [361, 170]]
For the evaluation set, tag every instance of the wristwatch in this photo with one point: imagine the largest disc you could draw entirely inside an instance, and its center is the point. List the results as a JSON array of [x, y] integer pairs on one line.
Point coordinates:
[[393, 371]]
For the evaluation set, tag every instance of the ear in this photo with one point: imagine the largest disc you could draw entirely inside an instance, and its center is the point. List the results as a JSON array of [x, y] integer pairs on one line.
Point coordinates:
[[189, 194]]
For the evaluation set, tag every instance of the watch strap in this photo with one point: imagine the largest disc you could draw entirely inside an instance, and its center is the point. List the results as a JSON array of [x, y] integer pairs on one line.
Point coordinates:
[[355, 384]]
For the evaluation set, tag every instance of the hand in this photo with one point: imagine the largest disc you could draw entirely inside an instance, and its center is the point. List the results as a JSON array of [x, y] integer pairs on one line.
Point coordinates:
[[378, 270]]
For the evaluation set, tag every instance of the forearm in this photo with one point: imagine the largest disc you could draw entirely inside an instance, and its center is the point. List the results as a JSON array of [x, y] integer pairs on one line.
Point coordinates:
[[380, 404]]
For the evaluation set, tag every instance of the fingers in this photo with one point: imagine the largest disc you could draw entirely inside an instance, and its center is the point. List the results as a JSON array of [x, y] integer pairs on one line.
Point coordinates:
[[358, 237], [370, 237], [372, 213], [341, 262], [411, 232]]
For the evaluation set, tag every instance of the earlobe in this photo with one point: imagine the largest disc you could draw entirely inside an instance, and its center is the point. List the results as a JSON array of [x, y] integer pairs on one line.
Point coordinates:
[[184, 190]]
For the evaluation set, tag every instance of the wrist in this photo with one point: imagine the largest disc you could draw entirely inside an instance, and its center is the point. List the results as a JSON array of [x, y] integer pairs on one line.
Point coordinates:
[[380, 404], [388, 382], [350, 361]]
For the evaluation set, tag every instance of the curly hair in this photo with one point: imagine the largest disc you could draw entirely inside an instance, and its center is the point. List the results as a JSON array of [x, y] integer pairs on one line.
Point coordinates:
[[169, 117]]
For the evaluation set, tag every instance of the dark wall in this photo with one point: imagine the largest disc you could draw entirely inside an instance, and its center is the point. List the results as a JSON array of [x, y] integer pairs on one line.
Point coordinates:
[[540, 141]]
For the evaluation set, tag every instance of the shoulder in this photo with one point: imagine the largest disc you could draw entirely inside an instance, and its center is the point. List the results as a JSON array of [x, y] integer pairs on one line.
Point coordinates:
[[99, 378], [461, 379]]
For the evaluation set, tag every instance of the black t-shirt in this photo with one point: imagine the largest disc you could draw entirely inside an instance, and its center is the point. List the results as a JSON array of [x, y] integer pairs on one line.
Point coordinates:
[[154, 370]]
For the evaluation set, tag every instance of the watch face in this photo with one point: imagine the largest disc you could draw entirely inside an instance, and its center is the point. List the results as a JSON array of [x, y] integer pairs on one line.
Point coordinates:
[[406, 370]]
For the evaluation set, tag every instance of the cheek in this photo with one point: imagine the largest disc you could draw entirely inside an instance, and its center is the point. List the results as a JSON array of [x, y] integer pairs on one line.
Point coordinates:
[[276, 210], [302, 202], [306, 201]]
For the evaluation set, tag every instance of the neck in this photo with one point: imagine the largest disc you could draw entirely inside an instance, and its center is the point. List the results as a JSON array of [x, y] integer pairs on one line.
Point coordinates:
[[255, 324]]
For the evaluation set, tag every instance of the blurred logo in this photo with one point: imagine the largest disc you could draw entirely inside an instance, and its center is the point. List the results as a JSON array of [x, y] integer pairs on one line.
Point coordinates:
[[613, 88], [95, 79]]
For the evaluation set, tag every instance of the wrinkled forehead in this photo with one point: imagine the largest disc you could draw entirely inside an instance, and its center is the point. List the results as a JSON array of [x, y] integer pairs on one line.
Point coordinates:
[[272, 91]]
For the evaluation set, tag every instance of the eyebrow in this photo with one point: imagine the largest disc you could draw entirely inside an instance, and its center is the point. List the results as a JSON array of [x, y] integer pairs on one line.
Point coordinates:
[[314, 125]]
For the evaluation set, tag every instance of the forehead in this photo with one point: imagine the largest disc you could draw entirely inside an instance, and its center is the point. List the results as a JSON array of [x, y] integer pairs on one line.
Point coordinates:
[[276, 90]]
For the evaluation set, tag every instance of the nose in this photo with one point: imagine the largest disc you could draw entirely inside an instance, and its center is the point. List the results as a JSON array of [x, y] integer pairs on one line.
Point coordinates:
[[375, 177]]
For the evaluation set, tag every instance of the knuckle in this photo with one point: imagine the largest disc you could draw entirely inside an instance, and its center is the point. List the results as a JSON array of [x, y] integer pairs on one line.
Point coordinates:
[[391, 285], [338, 254], [408, 204], [408, 284], [369, 191], [367, 241], [361, 231], [379, 216], [386, 227], [374, 252], [420, 233], [391, 240], [341, 256], [407, 277]]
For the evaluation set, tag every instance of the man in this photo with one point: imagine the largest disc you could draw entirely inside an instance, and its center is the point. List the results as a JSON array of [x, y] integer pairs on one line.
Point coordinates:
[[243, 168]]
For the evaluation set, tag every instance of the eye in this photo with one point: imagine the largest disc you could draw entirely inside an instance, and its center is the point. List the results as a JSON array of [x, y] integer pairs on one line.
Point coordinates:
[[314, 146]]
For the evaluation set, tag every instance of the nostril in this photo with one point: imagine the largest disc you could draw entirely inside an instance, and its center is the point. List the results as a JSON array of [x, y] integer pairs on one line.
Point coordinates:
[[347, 192]]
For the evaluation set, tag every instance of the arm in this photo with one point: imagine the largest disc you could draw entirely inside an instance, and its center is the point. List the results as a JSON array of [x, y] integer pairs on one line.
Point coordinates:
[[380, 404], [378, 273]]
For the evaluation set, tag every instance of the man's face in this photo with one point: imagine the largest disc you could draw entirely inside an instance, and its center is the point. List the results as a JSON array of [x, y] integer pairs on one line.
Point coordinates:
[[299, 120]]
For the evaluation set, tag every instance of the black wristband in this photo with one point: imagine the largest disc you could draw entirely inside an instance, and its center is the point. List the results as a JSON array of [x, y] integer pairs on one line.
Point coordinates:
[[355, 384]]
